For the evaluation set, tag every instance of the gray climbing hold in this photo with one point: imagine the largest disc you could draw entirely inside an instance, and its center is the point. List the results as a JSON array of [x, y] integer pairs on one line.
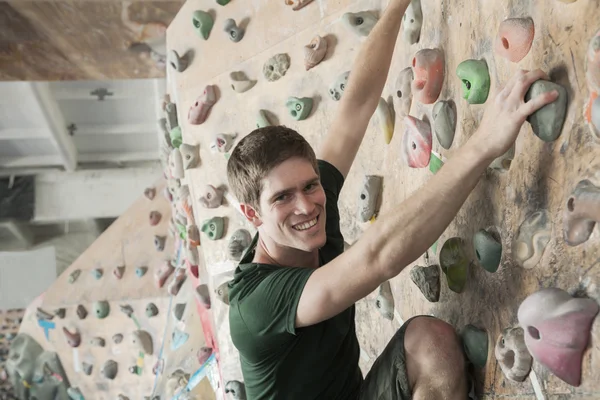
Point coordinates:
[[444, 123], [179, 64], [178, 311], [235, 32], [548, 121], [337, 89], [126, 309], [43, 315], [236, 389], [475, 342], [142, 341], [81, 312], [238, 243], [151, 310], [109, 369], [222, 292], [385, 301], [117, 338], [361, 23], [427, 280], [60, 312], [369, 194], [98, 341], [87, 368], [101, 309], [203, 295], [74, 275]]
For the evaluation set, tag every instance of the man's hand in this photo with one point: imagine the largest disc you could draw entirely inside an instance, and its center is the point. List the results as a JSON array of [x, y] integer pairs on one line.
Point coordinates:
[[505, 115]]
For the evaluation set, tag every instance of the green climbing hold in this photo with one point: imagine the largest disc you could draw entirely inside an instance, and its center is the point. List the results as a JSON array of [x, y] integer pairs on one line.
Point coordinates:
[[101, 309], [213, 228], [548, 121], [475, 343], [203, 23], [223, 2], [176, 138], [488, 250], [475, 80], [299, 108], [454, 263]]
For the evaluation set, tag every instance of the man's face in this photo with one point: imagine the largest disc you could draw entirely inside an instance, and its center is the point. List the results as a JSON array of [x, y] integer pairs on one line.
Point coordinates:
[[292, 206]]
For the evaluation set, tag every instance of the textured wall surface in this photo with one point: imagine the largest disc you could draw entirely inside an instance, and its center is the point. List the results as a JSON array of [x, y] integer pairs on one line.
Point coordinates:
[[542, 175]]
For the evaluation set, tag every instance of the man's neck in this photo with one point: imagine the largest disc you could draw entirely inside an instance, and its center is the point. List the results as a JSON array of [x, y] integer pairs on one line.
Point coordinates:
[[269, 252]]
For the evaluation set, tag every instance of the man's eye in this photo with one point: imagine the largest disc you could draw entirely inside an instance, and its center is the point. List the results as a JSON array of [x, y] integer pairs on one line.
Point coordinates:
[[283, 197], [310, 186]]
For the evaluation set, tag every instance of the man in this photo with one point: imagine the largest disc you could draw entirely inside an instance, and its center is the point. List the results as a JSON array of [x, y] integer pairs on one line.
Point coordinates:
[[292, 297]]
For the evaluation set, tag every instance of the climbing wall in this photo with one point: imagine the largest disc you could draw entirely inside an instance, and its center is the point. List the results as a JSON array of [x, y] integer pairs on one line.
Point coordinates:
[[128, 242], [10, 321], [541, 177]]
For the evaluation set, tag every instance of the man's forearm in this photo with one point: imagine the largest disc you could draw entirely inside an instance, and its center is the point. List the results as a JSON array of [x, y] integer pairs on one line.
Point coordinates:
[[404, 233]]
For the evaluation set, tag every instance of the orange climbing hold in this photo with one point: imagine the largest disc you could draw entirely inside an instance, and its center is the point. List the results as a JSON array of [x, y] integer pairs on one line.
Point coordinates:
[[428, 70], [515, 37]]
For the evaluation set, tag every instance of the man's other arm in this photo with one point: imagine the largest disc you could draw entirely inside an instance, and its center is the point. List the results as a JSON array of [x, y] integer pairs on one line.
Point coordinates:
[[361, 96]]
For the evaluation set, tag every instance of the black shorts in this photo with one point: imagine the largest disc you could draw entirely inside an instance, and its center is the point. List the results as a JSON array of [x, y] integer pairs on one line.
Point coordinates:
[[388, 378]]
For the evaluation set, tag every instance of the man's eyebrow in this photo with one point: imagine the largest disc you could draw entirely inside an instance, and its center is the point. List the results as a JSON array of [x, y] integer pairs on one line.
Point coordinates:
[[291, 190]]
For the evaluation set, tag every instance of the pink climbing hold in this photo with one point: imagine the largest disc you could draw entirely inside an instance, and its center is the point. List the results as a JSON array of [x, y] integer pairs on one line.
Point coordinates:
[[557, 330], [428, 70], [515, 37], [161, 275], [154, 218], [199, 110], [416, 142]]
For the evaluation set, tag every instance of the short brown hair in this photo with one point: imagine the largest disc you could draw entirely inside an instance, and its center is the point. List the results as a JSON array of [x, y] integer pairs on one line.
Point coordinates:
[[258, 153]]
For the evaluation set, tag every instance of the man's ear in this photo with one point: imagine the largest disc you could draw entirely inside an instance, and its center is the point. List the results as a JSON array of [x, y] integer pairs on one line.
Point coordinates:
[[251, 214]]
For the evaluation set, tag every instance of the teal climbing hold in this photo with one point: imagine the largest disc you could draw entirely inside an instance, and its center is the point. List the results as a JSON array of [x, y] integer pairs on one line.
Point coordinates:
[[488, 250]]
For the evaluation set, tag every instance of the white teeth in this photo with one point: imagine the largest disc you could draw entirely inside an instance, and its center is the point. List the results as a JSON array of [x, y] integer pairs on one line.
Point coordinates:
[[306, 225]]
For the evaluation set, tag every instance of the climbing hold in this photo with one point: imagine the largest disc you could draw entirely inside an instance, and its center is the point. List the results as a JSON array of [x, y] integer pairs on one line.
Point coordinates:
[[444, 123], [171, 113], [385, 301], [240, 82], [299, 108], [73, 338], [122, 397], [236, 389], [151, 310], [159, 242], [203, 354], [179, 64], [119, 271], [412, 21], [74, 275], [87, 368], [142, 341], [235, 32], [117, 338], [199, 110], [595, 117], [512, 354], [176, 137], [514, 39], [178, 338], [126, 309], [203, 295], [177, 281], [386, 122], [238, 243], [213, 228], [222, 292], [475, 79], [475, 343], [454, 263], [203, 23], [337, 89], [161, 275], [109, 369], [276, 67], [101, 309], [222, 142], [141, 271], [178, 311], [428, 70], [75, 394], [361, 23], [592, 74], [557, 330], [427, 280], [193, 235], [81, 312], [97, 273], [298, 4], [176, 164], [154, 218], [416, 142], [314, 52], [150, 193], [43, 315], [97, 341], [547, 122], [582, 211], [223, 2], [174, 186], [505, 160], [403, 92], [262, 120], [369, 194], [60, 312], [191, 253], [488, 249], [531, 240]]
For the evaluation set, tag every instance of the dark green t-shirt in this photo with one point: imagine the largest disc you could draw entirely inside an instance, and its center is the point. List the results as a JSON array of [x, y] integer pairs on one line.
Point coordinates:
[[278, 360]]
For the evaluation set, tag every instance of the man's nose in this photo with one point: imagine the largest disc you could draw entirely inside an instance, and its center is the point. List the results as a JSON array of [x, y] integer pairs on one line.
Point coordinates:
[[304, 205]]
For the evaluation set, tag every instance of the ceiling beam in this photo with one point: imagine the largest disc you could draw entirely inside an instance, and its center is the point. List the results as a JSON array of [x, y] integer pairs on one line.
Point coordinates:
[[55, 121]]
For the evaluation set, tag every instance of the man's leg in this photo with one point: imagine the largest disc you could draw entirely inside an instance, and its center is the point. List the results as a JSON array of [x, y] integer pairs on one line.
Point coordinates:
[[424, 360]]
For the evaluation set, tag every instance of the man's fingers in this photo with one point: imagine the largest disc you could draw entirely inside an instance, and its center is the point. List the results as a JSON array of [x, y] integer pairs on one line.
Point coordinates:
[[524, 82], [513, 80], [538, 102]]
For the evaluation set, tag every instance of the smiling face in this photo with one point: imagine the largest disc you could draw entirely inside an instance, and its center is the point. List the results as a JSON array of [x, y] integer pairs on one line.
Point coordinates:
[[292, 206]]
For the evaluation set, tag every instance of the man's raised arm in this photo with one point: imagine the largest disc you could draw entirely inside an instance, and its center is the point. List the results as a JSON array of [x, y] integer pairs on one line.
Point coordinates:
[[361, 96]]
